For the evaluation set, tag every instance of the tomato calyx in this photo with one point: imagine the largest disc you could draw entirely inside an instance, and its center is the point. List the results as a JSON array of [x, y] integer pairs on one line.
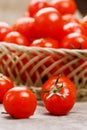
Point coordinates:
[[55, 90]]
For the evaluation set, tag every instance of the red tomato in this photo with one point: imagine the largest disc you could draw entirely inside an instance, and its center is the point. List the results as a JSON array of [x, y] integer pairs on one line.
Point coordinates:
[[45, 42], [16, 38], [20, 102], [72, 27], [25, 25], [5, 85], [48, 23], [64, 6], [4, 29], [58, 95], [36, 5], [74, 41]]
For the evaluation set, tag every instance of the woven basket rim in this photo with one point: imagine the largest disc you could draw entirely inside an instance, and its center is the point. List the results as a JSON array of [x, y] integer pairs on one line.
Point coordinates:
[[13, 46]]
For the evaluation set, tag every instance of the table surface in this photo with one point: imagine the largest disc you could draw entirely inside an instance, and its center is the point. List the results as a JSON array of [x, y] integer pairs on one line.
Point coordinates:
[[42, 120]]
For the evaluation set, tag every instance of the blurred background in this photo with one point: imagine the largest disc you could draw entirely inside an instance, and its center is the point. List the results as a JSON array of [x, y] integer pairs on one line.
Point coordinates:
[[10, 10], [82, 6]]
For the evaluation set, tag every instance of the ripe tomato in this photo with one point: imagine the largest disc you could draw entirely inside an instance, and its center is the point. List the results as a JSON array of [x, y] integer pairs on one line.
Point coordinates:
[[45, 42], [64, 6], [5, 85], [25, 25], [58, 95], [73, 27], [48, 23], [36, 5], [16, 38], [74, 41], [20, 102], [4, 29]]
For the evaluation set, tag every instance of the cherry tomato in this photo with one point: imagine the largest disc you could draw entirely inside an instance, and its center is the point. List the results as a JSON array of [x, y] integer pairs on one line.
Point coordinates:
[[4, 29], [5, 84], [64, 6], [45, 42], [36, 5], [25, 25], [58, 95], [48, 23], [16, 38], [20, 102], [72, 27], [74, 41]]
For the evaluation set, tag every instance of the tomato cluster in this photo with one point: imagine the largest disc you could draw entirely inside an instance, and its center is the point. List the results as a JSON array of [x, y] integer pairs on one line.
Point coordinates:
[[53, 20], [58, 95], [44, 24]]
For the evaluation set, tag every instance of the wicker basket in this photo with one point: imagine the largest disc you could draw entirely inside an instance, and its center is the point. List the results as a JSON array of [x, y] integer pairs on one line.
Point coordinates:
[[32, 66]]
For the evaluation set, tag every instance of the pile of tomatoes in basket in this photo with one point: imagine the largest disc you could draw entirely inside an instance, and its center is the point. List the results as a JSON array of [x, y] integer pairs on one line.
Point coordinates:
[[50, 24]]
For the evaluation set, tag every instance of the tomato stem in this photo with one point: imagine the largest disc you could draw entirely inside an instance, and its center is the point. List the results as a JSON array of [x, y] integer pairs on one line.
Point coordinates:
[[55, 90]]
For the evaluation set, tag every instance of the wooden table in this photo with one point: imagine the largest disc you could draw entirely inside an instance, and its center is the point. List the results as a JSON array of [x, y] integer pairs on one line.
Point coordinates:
[[42, 120]]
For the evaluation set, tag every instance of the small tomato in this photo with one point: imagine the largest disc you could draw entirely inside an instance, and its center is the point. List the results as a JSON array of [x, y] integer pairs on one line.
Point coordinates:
[[58, 95], [20, 102]]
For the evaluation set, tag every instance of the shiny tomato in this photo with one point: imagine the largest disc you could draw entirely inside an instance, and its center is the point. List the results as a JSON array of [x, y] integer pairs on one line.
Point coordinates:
[[25, 25], [36, 5], [64, 6], [74, 41], [5, 84], [16, 38], [72, 27], [58, 95], [20, 102], [48, 23], [4, 29], [45, 42]]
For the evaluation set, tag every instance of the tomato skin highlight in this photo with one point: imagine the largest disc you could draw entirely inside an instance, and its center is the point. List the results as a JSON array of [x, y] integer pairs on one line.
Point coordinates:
[[54, 102], [20, 102]]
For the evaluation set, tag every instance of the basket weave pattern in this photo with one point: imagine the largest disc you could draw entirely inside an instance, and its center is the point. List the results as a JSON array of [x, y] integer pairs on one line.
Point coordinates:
[[32, 66]]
